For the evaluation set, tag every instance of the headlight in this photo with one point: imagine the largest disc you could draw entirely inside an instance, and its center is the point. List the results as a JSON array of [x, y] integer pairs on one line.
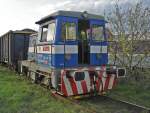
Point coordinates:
[[121, 72]]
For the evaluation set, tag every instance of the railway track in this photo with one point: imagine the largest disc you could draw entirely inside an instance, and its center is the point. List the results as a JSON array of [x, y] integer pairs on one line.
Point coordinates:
[[93, 105], [74, 102], [147, 110], [99, 104]]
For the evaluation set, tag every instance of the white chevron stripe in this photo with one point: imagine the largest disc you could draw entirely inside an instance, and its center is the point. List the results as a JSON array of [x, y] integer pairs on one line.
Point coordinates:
[[79, 87], [87, 79], [68, 86], [104, 79], [111, 81], [101, 86]]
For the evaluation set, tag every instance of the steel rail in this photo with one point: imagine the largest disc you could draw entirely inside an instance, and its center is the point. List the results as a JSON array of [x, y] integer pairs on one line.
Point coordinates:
[[129, 104]]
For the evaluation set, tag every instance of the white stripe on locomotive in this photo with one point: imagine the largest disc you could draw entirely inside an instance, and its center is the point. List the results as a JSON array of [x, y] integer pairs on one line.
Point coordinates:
[[67, 86], [87, 79], [70, 49], [104, 77], [79, 87], [111, 81], [98, 49], [101, 87]]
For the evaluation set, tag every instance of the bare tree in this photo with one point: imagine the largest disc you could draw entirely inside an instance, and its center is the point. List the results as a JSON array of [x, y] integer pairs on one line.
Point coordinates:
[[130, 27]]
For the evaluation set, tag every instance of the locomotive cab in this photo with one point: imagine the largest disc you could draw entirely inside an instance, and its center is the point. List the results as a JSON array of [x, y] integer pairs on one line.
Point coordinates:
[[74, 39]]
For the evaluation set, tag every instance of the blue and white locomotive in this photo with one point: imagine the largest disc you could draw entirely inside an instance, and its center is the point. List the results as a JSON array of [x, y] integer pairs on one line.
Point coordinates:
[[70, 54]]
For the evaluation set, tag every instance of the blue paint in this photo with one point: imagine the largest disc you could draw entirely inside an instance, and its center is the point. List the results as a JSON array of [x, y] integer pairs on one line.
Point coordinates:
[[60, 20], [57, 60], [44, 59], [60, 61], [101, 60]]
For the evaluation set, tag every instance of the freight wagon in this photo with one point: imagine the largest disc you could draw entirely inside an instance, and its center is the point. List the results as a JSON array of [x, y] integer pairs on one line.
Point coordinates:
[[14, 46], [70, 55]]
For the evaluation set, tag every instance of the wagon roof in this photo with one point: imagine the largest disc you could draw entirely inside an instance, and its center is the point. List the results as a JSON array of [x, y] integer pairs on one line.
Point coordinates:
[[23, 31], [69, 14]]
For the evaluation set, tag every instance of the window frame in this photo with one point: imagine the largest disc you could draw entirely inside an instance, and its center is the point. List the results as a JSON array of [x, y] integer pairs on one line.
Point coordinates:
[[41, 37], [41, 30], [54, 33], [65, 38], [103, 32]]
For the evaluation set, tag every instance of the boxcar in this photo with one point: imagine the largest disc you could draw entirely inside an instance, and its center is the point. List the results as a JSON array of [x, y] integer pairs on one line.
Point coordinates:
[[14, 46]]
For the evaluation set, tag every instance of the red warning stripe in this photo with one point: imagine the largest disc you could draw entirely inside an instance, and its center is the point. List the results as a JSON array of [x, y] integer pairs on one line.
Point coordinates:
[[73, 86], [100, 78], [84, 86], [97, 85], [63, 88], [107, 82], [91, 83], [114, 82]]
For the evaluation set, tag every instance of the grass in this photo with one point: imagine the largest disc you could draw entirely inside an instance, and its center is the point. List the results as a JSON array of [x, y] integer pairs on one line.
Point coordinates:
[[17, 95]]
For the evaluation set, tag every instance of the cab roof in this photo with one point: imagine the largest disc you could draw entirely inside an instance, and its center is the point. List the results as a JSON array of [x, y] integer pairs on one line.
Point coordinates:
[[69, 14]]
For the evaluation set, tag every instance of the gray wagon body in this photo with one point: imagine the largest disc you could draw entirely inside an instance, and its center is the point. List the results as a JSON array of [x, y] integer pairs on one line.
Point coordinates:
[[14, 46]]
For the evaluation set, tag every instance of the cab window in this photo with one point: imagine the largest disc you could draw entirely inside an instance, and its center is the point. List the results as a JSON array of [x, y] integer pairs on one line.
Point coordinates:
[[44, 33], [68, 31], [79, 76], [48, 32], [97, 33], [51, 32]]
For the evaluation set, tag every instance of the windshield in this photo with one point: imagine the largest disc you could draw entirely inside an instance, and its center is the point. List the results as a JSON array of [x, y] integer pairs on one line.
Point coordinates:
[[47, 32], [97, 32], [69, 31]]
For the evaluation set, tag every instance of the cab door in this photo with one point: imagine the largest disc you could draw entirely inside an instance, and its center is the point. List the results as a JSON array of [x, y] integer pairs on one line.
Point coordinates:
[[83, 42], [67, 55], [98, 43]]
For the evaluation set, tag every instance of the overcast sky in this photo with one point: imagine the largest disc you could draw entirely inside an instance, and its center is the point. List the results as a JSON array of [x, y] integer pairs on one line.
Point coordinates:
[[20, 14]]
